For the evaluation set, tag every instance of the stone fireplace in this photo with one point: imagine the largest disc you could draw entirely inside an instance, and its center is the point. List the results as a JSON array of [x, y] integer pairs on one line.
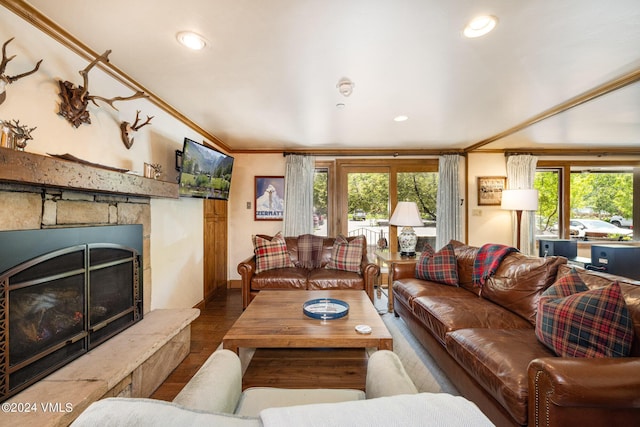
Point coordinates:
[[64, 291], [44, 215], [45, 193]]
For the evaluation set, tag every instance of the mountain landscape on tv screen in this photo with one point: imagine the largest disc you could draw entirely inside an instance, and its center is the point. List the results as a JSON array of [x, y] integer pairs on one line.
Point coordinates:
[[205, 172]]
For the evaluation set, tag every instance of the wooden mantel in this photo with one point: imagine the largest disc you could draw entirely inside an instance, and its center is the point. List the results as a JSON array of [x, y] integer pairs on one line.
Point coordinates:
[[24, 168]]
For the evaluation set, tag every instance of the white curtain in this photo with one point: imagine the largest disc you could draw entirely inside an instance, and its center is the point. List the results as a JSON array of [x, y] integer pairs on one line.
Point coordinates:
[[521, 172], [448, 205], [298, 195]]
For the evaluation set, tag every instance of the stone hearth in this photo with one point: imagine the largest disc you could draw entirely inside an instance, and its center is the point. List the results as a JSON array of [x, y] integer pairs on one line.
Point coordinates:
[[132, 364]]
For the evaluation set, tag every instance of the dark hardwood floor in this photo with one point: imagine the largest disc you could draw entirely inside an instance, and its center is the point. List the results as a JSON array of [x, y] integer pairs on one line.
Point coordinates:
[[206, 335]]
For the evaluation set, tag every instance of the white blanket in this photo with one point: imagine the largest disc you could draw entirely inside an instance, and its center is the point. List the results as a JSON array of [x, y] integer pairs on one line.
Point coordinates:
[[424, 409]]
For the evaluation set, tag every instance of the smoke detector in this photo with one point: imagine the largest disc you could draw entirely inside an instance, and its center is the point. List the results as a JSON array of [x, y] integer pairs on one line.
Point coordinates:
[[345, 86]]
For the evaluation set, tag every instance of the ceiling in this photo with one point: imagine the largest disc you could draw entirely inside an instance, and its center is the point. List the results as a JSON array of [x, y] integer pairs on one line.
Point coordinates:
[[267, 79]]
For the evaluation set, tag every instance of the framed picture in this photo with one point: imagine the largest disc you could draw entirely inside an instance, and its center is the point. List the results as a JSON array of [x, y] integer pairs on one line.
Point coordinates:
[[490, 190], [269, 202]]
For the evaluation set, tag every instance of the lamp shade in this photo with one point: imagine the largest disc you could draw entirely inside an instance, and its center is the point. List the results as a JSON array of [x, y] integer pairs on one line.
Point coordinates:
[[406, 214], [520, 200]]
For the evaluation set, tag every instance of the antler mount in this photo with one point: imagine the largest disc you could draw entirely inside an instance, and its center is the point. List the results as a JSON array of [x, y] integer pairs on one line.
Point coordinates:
[[126, 129], [75, 99], [6, 79]]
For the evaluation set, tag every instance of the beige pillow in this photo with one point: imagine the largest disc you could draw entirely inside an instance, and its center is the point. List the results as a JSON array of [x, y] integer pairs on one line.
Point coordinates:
[[271, 254]]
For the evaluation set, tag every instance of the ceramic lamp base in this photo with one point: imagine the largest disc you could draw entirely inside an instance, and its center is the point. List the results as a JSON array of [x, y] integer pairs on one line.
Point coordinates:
[[408, 240]]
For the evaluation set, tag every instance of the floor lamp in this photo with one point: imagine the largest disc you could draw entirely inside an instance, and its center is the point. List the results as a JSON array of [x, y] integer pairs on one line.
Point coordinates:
[[518, 201]]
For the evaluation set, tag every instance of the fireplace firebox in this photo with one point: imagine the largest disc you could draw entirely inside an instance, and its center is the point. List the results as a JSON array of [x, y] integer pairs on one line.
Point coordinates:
[[63, 292]]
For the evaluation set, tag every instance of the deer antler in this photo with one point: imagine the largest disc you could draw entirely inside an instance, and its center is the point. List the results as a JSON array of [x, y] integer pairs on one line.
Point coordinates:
[[135, 126], [85, 73], [126, 129], [21, 131], [5, 60], [5, 79], [85, 90], [110, 101], [74, 100]]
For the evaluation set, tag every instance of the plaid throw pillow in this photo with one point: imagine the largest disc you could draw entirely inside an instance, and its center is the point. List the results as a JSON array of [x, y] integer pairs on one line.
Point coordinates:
[[575, 321], [271, 254], [347, 255], [440, 266]]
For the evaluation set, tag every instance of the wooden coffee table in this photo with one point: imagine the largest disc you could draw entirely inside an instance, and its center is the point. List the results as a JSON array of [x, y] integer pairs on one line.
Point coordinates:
[[274, 319]]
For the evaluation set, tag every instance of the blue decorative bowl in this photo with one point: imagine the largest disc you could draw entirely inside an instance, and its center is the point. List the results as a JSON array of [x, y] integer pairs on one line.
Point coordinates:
[[325, 308]]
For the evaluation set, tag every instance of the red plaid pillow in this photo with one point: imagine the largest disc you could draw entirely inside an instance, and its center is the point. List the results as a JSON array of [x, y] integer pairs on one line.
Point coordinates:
[[566, 285], [271, 254], [347, 255], [574, 322], [440, 266]]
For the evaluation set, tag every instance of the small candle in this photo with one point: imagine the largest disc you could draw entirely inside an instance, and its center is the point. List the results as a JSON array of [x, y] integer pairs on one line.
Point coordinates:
[[4, 142]]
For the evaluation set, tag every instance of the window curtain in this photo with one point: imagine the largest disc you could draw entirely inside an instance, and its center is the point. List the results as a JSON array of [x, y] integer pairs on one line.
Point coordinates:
[[298, 195], [521, 171], [448, 204]]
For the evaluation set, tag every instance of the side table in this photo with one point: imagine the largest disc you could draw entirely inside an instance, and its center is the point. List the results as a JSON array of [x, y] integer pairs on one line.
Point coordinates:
[[392, 258]]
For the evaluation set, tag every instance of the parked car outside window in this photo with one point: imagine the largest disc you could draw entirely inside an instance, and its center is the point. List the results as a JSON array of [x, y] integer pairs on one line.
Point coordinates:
[[359, 215], [619, 221], [597, 229]]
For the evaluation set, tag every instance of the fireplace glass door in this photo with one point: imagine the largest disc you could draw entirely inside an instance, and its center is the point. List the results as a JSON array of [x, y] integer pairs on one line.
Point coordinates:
[[46, 308], [60, 304]]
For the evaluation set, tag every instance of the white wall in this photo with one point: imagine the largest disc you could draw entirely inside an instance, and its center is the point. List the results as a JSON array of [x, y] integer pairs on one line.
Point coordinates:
[[241, 220], [176, 253], [492, 225], [176, 225]]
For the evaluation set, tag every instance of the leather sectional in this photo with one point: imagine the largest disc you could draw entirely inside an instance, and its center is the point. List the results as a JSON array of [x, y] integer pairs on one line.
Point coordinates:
[[484, 339]]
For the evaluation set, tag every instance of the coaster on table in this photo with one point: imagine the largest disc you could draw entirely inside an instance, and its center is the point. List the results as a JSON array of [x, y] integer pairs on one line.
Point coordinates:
[[363, 329]]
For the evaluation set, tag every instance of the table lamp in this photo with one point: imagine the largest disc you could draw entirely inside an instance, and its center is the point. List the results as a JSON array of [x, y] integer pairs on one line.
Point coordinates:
[[407, 215], [519, 200]]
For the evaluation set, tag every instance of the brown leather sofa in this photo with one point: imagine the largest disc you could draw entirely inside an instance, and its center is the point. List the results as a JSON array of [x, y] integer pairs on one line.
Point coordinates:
[[306, 279], [484, 340]]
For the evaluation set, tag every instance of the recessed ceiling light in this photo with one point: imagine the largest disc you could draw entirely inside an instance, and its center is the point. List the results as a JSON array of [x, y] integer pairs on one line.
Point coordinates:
[[480, 25], [191, 40], [400, 118]]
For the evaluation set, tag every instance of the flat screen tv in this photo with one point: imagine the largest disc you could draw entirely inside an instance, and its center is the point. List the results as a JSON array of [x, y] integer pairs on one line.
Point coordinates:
[[204, 172]]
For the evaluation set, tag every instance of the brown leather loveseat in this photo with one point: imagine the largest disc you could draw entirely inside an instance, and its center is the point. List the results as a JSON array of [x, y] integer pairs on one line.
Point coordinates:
[[484, 339], [301, 278]]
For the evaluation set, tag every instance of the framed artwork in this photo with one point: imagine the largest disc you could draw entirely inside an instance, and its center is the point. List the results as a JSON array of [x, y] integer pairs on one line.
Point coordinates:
[[490, 190], [269, 202]]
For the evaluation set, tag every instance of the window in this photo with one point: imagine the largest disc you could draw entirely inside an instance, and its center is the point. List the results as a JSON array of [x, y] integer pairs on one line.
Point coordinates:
[[422, 188], [368, 205], [587, 201], [547, 182], [320, 201], [601, 193], [369, 189]]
